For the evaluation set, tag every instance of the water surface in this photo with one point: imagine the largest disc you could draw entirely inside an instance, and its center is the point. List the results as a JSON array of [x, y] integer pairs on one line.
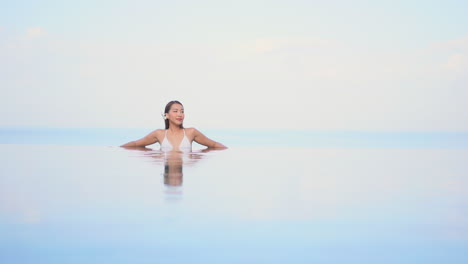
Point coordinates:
[[247, 204]]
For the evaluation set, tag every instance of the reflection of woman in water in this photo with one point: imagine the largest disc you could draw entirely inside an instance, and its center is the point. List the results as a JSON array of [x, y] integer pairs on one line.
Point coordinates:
[[173, 162], [173, 169], [175, 136]]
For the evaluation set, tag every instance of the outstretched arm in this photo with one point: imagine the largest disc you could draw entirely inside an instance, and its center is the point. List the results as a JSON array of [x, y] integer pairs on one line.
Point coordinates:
[[149, 139], [203, 140]]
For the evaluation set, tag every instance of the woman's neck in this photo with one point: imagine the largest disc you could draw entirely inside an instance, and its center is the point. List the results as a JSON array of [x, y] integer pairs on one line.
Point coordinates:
[[174, 128]]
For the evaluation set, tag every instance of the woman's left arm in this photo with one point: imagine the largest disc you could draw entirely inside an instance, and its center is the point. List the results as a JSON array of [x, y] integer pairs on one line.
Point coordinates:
[[205, 141]]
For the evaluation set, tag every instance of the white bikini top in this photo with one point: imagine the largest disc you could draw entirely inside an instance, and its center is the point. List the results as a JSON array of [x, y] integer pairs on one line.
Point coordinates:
[[185, 145]]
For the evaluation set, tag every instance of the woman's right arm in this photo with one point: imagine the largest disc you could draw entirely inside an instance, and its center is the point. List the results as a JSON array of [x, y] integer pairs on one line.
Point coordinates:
[[149, 139]]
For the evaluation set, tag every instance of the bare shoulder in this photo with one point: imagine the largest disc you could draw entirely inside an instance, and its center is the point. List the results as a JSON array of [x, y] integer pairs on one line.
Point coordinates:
[[191, 132], [158, 133], [155, 134]]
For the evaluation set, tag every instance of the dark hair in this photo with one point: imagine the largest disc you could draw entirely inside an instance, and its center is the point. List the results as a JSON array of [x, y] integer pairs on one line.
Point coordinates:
[[166, 110]]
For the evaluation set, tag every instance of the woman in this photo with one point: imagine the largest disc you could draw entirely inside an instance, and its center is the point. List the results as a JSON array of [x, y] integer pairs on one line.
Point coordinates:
[[175, 137]]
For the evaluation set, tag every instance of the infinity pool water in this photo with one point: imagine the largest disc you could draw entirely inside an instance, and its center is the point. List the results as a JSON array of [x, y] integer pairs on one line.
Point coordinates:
[[251, 204]]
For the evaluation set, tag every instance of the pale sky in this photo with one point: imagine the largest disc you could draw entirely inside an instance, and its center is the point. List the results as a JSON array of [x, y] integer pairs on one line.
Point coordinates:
[[320, 65]]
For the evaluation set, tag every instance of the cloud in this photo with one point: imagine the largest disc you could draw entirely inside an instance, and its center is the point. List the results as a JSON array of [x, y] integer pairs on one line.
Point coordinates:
[[456, 62], [452, 55], [35, 32], [452, 43], [281, 44], [265, 45], [311, 83]]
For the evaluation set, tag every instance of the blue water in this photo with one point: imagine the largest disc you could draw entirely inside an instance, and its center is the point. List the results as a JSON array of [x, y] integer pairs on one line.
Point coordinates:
[[290, 138], [73, 196]]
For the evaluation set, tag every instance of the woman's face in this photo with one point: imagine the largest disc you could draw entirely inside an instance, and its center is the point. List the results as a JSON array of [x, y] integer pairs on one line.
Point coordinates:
[[176, 114]]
